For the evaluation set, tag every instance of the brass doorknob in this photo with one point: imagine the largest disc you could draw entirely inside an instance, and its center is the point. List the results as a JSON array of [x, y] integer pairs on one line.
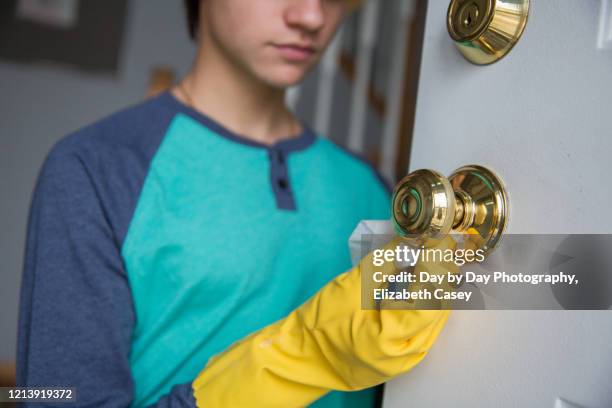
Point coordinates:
[[486, 30], [427, 206]]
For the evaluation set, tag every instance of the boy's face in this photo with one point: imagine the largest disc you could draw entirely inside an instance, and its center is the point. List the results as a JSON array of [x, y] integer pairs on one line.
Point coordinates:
[[277, 41]]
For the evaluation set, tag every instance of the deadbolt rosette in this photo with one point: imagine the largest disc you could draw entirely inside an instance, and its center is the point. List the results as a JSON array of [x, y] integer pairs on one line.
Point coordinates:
[[484, 31], [427, 206]]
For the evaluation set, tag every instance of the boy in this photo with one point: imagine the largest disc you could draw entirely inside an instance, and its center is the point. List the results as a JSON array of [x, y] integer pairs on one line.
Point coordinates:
[[163, 234]]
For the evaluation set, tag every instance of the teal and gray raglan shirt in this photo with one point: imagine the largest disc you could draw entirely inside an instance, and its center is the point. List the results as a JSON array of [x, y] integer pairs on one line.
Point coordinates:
[[157, 238]]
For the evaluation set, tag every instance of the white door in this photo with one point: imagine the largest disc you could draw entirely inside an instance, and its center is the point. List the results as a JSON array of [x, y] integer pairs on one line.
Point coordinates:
[[541, 118]]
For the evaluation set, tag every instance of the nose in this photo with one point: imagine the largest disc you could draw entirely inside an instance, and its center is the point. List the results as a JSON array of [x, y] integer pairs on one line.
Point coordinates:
[[305, 14]]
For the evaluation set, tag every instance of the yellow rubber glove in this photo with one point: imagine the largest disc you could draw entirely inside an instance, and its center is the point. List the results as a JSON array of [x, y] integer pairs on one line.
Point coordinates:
[[436, 266], [328, 343]]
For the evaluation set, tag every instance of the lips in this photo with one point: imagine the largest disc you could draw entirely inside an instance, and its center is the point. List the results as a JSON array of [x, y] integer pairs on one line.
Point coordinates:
[[296, 52]]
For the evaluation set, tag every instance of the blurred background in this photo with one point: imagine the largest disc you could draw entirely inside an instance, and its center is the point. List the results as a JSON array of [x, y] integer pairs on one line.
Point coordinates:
[[67, 63]]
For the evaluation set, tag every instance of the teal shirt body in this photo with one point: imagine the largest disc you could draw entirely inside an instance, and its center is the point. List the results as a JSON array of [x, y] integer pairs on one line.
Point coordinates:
[[219, 236]]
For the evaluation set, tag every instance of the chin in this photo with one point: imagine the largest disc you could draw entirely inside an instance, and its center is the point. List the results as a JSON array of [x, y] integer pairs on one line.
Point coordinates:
[[285, 76]]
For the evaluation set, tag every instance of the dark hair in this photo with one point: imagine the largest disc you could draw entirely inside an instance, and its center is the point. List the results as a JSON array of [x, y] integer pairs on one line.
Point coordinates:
[[192, 8]]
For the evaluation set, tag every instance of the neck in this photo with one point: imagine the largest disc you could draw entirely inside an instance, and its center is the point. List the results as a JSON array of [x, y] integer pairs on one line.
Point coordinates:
[[228, 94]]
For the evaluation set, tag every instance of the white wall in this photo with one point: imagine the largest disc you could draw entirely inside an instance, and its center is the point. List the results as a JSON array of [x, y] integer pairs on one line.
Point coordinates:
[[40, 104], [541, 119]]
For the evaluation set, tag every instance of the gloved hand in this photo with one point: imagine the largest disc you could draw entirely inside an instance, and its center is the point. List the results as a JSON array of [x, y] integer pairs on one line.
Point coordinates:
[[328, 343], [439, 265]]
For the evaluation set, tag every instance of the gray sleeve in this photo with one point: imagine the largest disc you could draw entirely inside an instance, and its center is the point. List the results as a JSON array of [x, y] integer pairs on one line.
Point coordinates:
[[76, 315]]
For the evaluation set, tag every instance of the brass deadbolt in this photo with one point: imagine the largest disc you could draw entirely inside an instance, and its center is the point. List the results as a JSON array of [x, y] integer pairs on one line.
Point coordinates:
[[427, 206], [484, 31]]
